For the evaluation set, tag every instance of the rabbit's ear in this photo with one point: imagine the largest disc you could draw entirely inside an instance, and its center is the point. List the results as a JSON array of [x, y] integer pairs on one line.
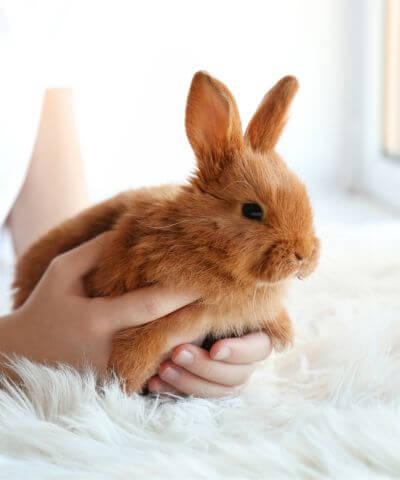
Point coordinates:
[[267, 124], [212, 124]]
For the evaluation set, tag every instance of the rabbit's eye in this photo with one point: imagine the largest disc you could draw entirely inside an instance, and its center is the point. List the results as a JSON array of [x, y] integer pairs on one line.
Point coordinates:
[[252, 211]]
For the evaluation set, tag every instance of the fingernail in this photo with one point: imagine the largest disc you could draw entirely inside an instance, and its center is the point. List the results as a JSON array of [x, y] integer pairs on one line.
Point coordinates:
[[185, 357], [223, 354], [170, 374]]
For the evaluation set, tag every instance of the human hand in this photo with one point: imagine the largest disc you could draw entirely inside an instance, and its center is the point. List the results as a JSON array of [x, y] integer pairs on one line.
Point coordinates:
[[59, 323], [222, 371]]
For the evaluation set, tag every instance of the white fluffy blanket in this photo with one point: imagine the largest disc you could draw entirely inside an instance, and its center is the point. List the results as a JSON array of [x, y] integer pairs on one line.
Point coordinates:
[[329, 408]]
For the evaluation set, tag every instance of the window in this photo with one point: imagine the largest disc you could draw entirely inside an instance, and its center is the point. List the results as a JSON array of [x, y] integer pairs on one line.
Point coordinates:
[[392, 79]]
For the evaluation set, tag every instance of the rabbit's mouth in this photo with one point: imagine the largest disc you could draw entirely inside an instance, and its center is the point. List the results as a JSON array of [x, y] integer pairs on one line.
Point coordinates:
[[273, 283], [276, 266], [309, 266], [267, 283], [283, 260]]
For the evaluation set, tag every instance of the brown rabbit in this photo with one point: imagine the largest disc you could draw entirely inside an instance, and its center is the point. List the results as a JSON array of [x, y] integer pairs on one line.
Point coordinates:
[[237, 232]]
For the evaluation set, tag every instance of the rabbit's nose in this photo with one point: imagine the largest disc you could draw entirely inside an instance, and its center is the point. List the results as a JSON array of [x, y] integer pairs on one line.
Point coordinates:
[[302, 249]]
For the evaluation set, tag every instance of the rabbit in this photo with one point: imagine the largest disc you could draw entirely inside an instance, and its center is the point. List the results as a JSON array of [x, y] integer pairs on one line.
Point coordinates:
[[237, 232]]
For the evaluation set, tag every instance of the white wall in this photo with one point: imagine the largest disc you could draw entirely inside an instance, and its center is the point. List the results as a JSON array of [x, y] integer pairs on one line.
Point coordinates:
[[132, 63]]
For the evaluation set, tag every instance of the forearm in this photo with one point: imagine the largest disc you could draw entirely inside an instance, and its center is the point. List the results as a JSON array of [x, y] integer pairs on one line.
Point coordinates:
[[55, 187]]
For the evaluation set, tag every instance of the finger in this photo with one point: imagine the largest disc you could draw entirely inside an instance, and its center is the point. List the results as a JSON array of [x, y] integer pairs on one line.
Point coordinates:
[[186, 382], [156, 385], [75, 263], [142, 305], [197, 361], [250, 348]]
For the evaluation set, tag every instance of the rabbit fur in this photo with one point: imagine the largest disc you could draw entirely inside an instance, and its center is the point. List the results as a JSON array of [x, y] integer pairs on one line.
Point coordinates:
[[197, 236]]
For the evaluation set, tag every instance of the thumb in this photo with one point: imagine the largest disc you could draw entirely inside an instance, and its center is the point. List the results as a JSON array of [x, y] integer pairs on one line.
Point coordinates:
[[75, 263], [143, 305]]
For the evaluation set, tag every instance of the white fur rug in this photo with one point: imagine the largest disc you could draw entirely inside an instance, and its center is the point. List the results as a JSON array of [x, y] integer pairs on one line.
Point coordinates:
[[329, 408]]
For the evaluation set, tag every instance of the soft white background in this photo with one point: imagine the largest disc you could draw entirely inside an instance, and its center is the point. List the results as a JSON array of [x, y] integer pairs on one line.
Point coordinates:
[[131, 64], [135, 66]]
